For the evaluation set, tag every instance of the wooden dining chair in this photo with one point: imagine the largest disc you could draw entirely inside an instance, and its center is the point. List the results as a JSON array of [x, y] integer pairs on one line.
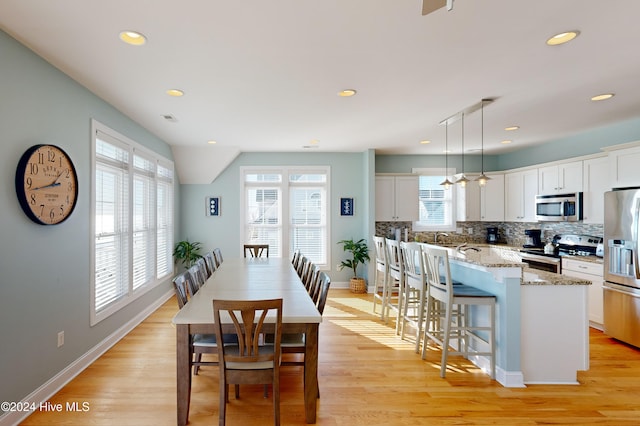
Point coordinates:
[[196, 279], [210, 261], [247, 362], [200, 343], [204, 269], [256, 250], [296, 258], [217, 255]]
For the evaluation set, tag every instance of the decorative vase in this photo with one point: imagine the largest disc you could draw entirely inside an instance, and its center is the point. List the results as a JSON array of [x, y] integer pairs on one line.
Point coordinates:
[[358, 285]]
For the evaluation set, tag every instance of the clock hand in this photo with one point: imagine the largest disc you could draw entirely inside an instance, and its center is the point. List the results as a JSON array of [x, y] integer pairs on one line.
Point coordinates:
[[47, 186]]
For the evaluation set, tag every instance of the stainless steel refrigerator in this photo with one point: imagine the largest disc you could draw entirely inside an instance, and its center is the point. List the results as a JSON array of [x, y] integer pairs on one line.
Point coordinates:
[[621, 265]]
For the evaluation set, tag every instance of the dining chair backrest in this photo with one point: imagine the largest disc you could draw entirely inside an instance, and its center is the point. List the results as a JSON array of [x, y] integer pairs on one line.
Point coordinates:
[[296, 258], [323, 291], [436, 261], [217, 255], [302, 265], [309, 275], [414, 270], [180, 288], [210, 261], [204, 270], [256, 250], [394, 259], [381, 253], [196, 279]]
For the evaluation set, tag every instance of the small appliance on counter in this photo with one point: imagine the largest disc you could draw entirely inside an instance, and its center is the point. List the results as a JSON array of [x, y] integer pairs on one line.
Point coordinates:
[[493, 235], [533, 238]]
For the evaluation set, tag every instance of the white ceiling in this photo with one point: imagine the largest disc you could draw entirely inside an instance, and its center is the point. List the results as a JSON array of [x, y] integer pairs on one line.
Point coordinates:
[[264, 75]]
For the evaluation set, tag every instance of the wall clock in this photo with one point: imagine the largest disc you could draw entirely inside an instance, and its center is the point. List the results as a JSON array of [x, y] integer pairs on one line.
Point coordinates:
[[46, 184]]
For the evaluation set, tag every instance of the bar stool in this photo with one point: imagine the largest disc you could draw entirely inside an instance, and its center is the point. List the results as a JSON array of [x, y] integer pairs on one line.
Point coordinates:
[[381, 274], [395, 278], [455, 301], [415, 284]]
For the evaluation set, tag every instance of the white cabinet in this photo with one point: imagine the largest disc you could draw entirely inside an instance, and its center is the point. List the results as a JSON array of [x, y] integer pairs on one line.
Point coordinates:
[[520, 190], [560, 178], [596, 183], [477, 203], [593, 272], [397, 198], [623, 167]]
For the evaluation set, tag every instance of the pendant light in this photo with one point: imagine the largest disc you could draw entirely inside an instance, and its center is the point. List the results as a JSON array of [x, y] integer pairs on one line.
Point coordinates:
[[462, 180], [482, 179], [446, 183]]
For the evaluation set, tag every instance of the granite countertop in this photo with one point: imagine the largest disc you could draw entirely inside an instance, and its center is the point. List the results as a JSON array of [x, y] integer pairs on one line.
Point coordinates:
[[503, 256]]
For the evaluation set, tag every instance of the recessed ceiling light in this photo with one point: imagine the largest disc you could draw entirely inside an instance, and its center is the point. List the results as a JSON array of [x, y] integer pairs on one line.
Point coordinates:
[[133, 37], [506, 142], [424, 142], [212, 142], [347, 93], [175, 92], [314, 142], [563, 38], [603, 97], [510, 128]]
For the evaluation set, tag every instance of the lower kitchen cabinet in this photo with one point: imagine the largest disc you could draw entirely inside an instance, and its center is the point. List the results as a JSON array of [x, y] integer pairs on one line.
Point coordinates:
[[594, 272]]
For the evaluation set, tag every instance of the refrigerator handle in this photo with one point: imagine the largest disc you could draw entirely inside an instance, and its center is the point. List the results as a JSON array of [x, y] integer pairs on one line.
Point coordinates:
[[636, 243]]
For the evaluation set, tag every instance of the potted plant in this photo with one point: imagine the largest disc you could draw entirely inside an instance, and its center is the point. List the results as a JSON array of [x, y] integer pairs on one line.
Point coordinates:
[[187, 252], [359, 254]]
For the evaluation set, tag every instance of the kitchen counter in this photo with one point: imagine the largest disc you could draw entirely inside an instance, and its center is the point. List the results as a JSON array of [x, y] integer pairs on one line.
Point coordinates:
[[503, 256]]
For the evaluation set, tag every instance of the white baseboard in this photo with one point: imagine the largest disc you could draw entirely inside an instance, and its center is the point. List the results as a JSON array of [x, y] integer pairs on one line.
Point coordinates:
[[57, 382]]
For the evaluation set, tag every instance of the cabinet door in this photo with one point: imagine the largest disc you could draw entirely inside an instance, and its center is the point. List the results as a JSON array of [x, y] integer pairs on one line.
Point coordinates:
[[596, 183], [548, 180], [468, 201], [406, 198], [624, 168], [594, 273], [570, 177], [492, 199], [514, 199], [385, 198], [529, 191]]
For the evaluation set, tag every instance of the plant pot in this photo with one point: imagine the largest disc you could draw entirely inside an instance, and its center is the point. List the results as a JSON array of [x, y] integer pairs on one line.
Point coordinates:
[[358, 285]]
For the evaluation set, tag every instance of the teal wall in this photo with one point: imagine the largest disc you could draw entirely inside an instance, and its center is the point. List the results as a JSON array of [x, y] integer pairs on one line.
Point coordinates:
[[348, 179], [44, 270]]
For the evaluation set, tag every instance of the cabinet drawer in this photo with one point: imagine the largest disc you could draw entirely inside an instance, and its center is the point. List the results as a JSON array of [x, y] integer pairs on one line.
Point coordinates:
[[584, 267]]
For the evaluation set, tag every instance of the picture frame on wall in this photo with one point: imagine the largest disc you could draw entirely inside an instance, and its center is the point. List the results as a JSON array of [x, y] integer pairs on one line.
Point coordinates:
[[346, 206], [213, 206]]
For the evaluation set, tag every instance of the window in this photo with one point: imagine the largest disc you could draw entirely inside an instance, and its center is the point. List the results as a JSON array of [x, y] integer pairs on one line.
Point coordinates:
[[287, 209], [132, 199], [437, 204]]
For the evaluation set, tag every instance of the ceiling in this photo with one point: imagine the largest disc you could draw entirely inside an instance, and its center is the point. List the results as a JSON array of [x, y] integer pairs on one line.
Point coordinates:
[[264, 75]]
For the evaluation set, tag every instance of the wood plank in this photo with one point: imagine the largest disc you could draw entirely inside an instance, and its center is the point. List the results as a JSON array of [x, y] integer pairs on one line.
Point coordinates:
[[367, 376]]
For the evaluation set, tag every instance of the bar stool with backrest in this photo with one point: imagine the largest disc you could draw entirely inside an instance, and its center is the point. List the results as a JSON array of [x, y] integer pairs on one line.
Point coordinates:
[[395, 279], [381, 274], [415, 296], [248, 362], [456, 323], [256, 250]]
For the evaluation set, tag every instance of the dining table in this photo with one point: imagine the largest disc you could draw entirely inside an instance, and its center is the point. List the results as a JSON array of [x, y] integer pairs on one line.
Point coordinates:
[[249, 279]]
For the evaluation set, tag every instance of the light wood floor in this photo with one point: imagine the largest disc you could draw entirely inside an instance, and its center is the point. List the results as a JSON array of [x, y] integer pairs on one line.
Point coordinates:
[[367, 377]]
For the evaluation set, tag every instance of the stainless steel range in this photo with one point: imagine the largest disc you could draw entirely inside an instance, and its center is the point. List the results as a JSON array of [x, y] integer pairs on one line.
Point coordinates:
[[542, 258]]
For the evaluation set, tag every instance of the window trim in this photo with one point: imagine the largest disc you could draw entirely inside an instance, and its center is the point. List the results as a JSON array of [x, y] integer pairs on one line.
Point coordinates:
[[438, 171], [285, 186], [134, 148]]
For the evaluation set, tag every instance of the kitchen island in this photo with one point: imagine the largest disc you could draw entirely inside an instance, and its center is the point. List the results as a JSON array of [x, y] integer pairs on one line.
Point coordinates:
[[542, 320]]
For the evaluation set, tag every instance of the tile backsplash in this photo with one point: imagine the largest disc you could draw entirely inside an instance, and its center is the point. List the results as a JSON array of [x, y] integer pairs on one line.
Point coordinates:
[[511, 233]]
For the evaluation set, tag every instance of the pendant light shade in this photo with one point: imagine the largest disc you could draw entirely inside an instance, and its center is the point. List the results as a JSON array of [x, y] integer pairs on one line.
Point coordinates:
[[446, 182], [462, 180], [482, 179]]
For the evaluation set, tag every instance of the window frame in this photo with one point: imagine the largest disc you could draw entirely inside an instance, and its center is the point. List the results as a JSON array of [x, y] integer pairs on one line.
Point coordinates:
[[161, 268], [285, 185], [434, 171]]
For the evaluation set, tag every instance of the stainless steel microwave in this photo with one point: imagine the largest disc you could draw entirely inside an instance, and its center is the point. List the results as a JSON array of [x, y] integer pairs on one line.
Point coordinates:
[[559, 207]]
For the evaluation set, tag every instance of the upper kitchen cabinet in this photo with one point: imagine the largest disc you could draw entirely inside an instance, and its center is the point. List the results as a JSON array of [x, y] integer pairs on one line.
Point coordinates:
[[520, 189], [596, 183], [397, 198], [560, 178], [481, 203], [623, 165]]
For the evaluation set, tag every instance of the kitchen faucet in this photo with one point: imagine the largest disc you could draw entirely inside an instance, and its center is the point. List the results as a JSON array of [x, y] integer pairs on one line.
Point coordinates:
[[435, 238]]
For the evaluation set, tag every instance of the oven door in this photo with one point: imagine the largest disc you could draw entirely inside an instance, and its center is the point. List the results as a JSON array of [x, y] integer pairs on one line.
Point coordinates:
[[541, 263]]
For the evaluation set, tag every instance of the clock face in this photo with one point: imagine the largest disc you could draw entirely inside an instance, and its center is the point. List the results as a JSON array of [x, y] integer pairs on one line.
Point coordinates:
[[46, 184]]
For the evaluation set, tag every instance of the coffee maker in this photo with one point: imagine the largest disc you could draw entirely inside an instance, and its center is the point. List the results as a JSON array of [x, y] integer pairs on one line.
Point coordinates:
[[532, 238], [492, 235]]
